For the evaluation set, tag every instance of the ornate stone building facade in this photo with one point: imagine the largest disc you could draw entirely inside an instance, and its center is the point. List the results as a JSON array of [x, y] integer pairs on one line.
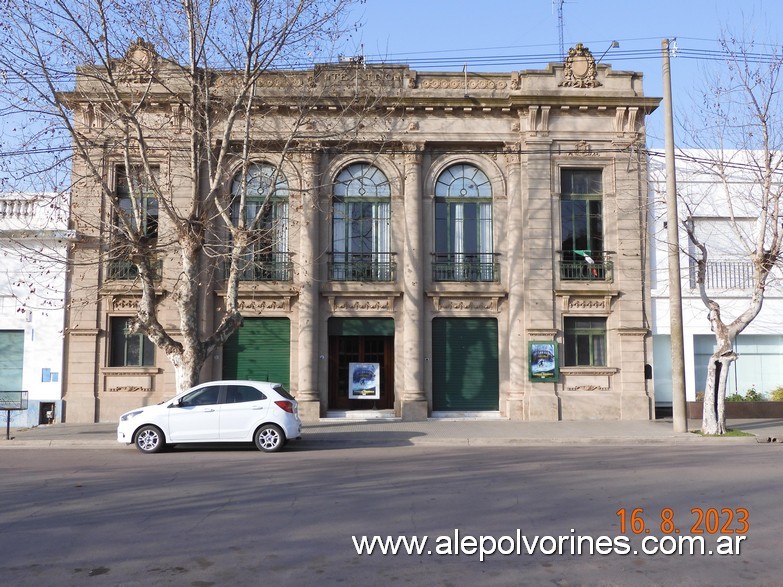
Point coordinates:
[[470, 243]]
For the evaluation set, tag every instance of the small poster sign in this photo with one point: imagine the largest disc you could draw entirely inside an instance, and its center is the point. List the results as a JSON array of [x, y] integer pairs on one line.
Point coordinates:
[[542, 361], [364, 381]]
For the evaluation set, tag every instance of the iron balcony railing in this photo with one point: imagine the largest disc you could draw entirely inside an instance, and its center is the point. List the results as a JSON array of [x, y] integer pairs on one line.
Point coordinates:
[[362, 267], [724, 275], [123, 269], [594, 267], [465, 267], [268, 267]]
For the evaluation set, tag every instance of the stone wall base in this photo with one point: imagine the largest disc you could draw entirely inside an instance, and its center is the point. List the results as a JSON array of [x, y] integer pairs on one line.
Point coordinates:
[[543, 407], [414, 410], [309, 410]]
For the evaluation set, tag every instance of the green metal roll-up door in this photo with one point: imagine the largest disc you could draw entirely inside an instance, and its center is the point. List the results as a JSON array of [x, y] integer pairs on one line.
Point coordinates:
[[260, 350], [11, 359], [465, 364]]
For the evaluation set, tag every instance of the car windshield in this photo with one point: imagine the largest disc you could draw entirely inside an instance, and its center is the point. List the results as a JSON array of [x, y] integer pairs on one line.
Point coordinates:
[[282, 391]]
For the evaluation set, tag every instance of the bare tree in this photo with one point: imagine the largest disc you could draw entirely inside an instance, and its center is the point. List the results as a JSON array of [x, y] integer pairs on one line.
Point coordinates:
[[134, 83], [738, 132]]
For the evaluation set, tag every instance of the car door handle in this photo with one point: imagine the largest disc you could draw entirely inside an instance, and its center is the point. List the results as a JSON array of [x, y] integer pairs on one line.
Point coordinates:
[[209, 410], [257, 408]]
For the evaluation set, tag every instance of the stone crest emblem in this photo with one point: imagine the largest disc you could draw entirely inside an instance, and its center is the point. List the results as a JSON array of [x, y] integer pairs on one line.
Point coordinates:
[[580, 69], [140, 60]]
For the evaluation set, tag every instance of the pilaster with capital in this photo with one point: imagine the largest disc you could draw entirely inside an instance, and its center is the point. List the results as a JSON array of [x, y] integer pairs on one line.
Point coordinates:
[[308, 396], [414, 401], [541, 401], [516, 284]]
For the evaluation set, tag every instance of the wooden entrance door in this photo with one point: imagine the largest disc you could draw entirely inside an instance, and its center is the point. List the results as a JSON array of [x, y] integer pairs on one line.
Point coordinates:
[[344, 350]]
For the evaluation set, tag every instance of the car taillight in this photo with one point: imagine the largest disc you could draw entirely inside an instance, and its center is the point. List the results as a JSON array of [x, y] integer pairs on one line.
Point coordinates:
[[286, 406]]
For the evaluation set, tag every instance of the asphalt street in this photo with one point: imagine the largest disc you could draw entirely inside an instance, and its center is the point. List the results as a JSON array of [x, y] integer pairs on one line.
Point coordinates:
[[233, 516]]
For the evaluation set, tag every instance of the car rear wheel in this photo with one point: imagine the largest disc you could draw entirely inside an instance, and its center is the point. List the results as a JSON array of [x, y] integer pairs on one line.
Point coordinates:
[[150, 439], [269, 438]]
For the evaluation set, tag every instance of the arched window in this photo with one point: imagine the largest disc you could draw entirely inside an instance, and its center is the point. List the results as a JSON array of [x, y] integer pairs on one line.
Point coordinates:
[[361, 222], [265, 213], [463, 226]]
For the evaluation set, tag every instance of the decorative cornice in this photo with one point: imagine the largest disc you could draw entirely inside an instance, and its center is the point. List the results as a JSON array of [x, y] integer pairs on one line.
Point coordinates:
[[541, 333]]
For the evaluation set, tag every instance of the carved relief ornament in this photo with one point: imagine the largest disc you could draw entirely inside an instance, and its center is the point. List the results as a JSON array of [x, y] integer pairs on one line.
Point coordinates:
[[140, 60], [580, 69], [458, 303], [371, 304], [599, 304]]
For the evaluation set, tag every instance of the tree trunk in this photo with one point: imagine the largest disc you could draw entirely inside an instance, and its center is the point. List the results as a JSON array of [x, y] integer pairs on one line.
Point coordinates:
[[714, 414], [187, 366]]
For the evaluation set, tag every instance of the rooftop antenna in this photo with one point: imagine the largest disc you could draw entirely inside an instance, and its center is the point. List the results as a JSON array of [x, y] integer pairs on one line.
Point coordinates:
[[559, 4]]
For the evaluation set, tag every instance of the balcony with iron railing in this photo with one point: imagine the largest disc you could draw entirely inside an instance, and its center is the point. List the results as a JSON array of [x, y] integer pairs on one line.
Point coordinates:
[[377, 267], [465, 267], [720, 275], [126, 270], [594, 267], [268, 267]]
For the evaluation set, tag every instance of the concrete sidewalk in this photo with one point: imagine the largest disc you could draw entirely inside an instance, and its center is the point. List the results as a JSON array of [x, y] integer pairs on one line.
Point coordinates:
[[331, 433]]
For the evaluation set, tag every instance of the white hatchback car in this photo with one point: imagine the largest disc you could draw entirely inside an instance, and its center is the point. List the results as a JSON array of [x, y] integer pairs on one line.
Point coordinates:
[[218, 411]]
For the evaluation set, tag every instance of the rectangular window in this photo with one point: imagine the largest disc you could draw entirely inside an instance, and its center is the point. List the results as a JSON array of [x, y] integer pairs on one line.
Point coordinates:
[[128, 349], [136, 200], [581, 225], [585, 342]]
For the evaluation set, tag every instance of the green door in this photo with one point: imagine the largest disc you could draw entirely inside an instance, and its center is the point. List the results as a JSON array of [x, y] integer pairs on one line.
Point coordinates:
[[260, 350], [11, 359], [465, 364]]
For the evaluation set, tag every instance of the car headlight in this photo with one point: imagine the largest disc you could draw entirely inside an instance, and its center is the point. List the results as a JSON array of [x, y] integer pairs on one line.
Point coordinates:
[[130, 415]]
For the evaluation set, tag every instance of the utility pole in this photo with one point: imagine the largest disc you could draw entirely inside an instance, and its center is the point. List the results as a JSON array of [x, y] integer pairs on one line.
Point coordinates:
[[679, 415]]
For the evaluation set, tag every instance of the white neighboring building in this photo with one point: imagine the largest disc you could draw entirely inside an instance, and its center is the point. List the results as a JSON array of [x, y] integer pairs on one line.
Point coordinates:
[[33, 248], [729, 277]]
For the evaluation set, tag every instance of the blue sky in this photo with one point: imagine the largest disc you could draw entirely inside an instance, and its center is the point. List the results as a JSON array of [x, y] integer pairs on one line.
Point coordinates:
[[421, 32]]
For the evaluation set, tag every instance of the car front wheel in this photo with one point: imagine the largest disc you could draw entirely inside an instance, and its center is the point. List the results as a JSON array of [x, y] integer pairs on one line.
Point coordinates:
[[269, 438], [149, 439]]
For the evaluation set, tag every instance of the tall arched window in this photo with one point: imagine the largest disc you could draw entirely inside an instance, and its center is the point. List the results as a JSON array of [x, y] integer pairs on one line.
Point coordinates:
[[361, 223], [463, 226], [265, 213]]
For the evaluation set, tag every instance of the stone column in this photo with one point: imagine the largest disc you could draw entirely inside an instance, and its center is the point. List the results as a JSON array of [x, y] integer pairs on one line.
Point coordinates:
[[517, 346], [307, 347], [414, 401]]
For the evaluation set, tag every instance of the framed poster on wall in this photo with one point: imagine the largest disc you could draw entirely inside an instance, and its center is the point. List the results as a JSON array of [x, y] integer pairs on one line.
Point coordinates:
[[542, 361], [364, 380]]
